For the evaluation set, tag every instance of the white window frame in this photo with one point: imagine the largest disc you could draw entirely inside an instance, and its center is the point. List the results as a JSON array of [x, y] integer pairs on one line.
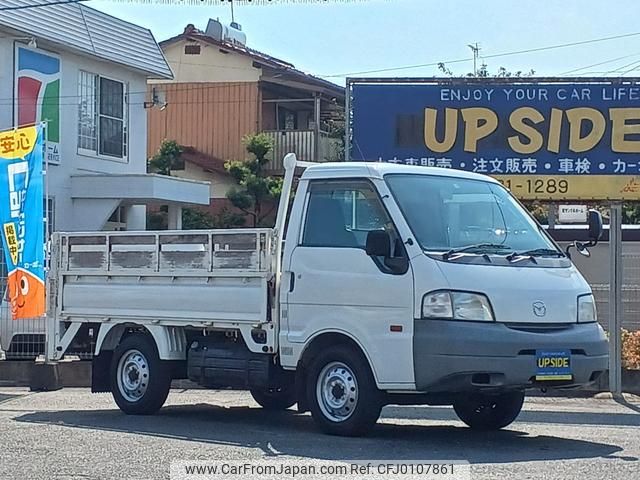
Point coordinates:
[[97, 115]]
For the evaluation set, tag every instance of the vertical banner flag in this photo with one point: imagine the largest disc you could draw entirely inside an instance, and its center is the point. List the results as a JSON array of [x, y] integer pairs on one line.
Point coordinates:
[[37, 94], [21, 219]]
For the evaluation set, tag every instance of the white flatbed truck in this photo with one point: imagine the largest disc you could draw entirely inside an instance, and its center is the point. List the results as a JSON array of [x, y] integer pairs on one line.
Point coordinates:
[[395, 285]]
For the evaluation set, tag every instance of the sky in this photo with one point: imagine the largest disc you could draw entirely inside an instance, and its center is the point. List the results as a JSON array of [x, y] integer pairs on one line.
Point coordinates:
[[336, 39]]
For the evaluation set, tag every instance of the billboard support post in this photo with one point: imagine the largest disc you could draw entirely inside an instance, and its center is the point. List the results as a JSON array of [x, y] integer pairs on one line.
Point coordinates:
[[347, 122], [615, 299]]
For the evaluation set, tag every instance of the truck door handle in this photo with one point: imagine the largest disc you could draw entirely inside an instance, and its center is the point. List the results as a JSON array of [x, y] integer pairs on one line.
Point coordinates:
[[292, 281]]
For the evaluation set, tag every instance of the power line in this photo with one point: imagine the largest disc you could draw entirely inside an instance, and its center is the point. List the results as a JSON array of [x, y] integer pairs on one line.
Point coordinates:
[[180, 102], [158, 86], [620, 69], [495, 55], [633, 68], [568, 72], [38, 5]]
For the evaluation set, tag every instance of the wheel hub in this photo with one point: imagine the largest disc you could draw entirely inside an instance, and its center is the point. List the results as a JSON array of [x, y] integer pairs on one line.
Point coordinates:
[[337, 391], [133, 375]]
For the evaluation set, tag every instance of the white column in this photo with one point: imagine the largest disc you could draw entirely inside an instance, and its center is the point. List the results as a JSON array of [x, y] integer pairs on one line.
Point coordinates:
[[174, 219], [136, 217]]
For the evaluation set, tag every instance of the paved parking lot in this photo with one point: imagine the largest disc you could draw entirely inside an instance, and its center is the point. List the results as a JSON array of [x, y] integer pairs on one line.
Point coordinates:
[[75, 434]]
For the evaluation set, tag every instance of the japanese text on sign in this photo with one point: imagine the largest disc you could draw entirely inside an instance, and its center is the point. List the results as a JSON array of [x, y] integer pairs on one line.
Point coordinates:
[[515, 128]]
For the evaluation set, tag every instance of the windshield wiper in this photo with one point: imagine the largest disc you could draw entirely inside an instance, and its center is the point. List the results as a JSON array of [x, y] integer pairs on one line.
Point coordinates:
[[476, 246], [536, 252]]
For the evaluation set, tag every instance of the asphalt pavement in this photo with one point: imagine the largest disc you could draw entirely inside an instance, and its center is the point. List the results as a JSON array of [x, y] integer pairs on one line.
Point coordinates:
[[72, 434]]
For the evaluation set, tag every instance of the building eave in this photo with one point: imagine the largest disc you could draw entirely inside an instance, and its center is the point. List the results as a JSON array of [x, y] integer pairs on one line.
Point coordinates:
[[142, 188]]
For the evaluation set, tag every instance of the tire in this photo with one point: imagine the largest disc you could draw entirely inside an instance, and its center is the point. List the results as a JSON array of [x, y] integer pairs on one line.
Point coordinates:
[[342, 393], [137, 354], [275, 399], [489, 412]]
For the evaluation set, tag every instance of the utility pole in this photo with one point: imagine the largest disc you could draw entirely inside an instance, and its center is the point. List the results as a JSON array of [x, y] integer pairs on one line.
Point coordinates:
[[476, 53]]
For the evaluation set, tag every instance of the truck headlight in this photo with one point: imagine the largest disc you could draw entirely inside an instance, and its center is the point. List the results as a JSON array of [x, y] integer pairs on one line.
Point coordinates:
[[587, 309], [457, 306]]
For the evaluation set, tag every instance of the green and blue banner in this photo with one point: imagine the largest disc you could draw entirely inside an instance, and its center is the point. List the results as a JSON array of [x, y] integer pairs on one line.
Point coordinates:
[[21, 218]]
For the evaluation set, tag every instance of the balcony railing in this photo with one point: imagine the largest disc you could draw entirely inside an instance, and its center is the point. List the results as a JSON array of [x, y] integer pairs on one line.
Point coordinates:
[[303, 144]]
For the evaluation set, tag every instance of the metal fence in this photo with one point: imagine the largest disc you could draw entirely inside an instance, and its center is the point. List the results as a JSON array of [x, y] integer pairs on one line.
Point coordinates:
[[303, 144], [22, 338], [630, 306], [596, 270]]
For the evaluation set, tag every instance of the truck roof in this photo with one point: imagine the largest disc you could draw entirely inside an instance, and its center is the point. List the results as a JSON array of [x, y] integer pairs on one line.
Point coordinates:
[[379, 169]]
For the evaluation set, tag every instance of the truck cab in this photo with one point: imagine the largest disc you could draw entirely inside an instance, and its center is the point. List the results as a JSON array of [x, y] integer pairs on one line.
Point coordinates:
[[392, 285], [443, 283]]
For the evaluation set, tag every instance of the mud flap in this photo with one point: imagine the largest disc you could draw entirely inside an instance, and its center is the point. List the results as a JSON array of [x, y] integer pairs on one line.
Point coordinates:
[[100, 367]]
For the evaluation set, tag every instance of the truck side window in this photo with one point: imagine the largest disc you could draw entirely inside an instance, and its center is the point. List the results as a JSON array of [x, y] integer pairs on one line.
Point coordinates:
[[340, 214]]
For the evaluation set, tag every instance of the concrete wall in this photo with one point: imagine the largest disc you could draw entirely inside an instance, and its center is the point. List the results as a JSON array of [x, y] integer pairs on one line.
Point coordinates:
[[220, 183], [67, 216]]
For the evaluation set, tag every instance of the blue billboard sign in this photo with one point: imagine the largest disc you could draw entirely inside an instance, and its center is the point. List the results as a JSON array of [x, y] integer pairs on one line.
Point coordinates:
[[510, 127]]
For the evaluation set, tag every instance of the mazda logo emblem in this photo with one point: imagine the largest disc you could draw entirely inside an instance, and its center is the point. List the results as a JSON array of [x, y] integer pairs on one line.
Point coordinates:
[[539, 309]]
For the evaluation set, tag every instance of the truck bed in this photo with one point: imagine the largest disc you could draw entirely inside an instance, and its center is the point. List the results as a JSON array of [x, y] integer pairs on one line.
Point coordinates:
[[195, 278]]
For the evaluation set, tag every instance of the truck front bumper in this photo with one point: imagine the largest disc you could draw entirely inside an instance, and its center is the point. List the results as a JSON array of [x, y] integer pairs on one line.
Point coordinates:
[[457, 356]]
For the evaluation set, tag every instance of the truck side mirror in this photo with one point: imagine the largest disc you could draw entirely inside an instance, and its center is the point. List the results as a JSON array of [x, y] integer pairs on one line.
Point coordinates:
[[378, 244], [595, 227], [595, 232]]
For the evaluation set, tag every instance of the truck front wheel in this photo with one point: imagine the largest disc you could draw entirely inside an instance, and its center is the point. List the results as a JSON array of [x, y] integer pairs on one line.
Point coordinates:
[[274, 399], [140, 381], [489, 412], [342, 393]]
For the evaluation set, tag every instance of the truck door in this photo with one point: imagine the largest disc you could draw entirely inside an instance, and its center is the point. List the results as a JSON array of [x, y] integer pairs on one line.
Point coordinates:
[[335, 286]]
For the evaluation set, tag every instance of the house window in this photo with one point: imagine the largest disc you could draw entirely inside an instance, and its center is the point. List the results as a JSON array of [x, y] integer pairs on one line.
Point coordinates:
[[87, 113], [50, 217], [102, 116], [287, 119]]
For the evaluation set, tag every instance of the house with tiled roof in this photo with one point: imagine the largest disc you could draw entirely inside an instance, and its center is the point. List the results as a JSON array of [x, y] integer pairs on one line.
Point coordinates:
[[223, 90]]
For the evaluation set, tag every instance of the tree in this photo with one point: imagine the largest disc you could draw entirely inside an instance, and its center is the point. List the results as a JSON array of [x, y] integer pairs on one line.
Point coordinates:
[[256, 194], [539, 211], [483, 72], [195, 219], [167, 158], [631, 213], [335, 128]]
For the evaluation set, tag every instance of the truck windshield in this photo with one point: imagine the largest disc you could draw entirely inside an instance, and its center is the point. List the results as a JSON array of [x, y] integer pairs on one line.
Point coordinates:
[[448, 213]]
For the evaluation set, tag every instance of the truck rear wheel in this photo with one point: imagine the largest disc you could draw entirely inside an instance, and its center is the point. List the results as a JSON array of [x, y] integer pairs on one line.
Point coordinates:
[[489, 412], [275, 399], [140, 381], [342, 393]]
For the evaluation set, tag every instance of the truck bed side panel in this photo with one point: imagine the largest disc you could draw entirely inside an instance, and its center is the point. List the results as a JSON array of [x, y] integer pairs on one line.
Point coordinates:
[[185, 277]]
